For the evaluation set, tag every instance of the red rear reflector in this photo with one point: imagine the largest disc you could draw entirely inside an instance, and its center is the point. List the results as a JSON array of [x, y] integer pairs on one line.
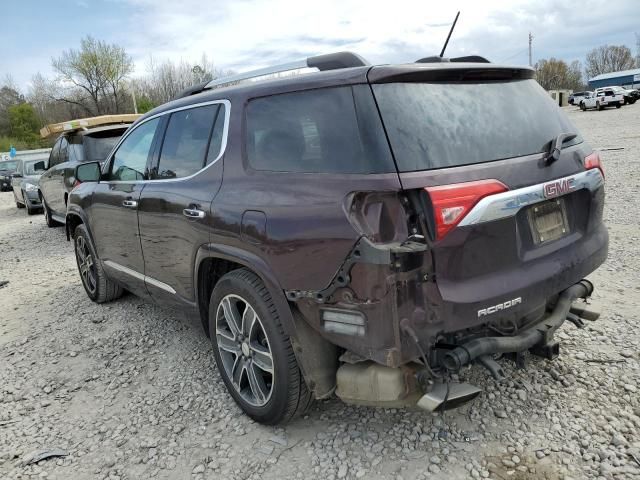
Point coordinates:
[[593, 161], [451, 203]]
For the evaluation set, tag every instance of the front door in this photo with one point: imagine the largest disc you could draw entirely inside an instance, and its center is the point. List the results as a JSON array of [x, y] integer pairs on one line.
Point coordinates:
[[114, 208], [174, 212]]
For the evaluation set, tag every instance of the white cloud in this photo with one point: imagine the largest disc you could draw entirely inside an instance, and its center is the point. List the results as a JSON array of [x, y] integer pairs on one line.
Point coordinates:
[[243, 34]]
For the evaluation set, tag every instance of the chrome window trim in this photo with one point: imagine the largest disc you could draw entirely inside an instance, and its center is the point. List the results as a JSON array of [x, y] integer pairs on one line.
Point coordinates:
[[223, 146], [509, 203], [140, 276]]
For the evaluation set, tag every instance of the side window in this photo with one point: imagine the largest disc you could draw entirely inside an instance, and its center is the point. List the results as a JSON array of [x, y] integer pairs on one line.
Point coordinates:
[[331, 130], [55, 154], [217, 136], [130, 160], [184, 148]]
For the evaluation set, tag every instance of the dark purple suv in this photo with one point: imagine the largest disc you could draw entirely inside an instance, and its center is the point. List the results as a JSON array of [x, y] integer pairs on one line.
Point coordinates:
[[364, 230]]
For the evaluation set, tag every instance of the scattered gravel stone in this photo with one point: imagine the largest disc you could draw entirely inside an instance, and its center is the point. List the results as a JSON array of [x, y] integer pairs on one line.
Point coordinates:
[[146, 400]]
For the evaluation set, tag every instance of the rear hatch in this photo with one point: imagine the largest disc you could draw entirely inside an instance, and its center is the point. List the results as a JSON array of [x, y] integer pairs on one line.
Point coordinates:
[[507, 230]]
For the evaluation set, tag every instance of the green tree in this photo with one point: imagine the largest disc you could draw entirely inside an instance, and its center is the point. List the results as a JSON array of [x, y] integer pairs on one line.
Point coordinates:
[[145, 104], [24, 122]]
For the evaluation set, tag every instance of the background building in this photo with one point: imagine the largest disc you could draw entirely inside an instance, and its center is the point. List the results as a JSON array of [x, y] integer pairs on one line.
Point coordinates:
[[624, 78]]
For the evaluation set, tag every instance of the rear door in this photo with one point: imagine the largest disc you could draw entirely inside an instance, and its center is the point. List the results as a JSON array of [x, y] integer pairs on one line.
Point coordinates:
[[502, 222], [114, 207], [175, 205]]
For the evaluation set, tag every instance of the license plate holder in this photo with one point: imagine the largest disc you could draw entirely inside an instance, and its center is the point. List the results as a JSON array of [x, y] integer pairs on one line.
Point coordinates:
[[548, 221]]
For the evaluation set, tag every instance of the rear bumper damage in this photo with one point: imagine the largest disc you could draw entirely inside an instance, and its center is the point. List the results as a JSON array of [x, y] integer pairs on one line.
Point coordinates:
[[367, 383]]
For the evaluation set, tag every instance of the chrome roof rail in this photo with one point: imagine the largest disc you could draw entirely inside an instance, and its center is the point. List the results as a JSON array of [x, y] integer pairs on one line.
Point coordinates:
[[330, 61]]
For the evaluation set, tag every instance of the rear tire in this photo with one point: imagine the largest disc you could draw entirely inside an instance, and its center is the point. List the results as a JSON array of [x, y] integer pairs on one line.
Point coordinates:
[[51, 223], [98, 286], [598, 106], [618, 105], [250, 345]]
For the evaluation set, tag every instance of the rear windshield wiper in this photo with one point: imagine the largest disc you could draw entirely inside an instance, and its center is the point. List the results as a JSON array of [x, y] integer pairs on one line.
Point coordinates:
[[556, 147]]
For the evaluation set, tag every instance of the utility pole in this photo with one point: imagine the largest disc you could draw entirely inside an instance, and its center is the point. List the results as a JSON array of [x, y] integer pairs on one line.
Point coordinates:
[[530, 41]]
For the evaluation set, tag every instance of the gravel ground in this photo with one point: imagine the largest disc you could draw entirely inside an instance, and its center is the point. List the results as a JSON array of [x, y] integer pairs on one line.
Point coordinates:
[[131, 391]]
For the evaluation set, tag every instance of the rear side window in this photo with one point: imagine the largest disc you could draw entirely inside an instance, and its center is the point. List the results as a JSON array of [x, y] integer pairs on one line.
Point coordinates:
[[186, 141], [436, 125], [331, 130]]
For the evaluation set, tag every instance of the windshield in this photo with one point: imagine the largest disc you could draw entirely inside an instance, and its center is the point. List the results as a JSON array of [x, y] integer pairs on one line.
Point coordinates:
[[436, 125], [8, 165], [29, 167]]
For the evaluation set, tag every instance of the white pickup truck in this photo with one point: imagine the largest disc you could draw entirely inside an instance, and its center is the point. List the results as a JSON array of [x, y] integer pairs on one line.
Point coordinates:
[[602, 98]]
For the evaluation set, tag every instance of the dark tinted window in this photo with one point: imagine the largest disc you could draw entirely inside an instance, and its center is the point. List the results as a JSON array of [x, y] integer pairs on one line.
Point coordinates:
[[186, 140], [324, 130], [435, 125], [130, 160], [63, 155], [98, 146], [54, 159]]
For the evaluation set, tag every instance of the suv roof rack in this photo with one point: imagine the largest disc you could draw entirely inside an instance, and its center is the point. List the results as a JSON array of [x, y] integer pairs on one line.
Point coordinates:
[[329, 61], [468, 58]]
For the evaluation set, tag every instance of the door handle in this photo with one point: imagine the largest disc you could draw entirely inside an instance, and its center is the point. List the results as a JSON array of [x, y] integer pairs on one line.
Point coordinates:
[[130, 204], [193, 213]]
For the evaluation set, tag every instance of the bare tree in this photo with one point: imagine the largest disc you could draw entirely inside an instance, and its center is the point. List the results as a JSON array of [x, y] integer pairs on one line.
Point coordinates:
[[93, 75], [555, 74], [166, 79], [608, 58]]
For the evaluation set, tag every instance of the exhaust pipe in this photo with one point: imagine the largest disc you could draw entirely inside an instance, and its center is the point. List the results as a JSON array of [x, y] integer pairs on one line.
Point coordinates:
[[540, 333], [446, 396]]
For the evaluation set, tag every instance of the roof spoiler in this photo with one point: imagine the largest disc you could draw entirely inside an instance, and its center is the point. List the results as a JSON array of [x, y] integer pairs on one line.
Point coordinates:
[[329, 61], [465, 59]]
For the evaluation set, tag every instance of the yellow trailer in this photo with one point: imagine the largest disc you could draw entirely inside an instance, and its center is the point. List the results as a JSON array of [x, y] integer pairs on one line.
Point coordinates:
[[86, 123]]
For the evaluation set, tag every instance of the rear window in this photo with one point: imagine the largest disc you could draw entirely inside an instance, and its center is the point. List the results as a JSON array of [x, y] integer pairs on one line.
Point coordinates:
[[98, 146], [331, 130], [437, 125]]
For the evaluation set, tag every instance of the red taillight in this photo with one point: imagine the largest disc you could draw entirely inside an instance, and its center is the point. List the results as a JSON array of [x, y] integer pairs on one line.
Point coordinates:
[[76, 183], [593, 161], [451, 203]]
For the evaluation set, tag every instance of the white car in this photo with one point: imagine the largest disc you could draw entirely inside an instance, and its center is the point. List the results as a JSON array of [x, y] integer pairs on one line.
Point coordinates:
[[602, 98]]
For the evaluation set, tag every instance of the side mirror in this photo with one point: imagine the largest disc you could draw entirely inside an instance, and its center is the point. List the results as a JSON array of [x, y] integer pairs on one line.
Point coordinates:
[[39, 166], [88, 172]]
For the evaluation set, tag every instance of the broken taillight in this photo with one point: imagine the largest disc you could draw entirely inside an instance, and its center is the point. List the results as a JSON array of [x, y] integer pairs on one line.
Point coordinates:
[[451, 203], [593, 161]]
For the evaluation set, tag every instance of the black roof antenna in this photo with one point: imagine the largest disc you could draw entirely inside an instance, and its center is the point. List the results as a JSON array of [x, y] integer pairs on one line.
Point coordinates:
[[444, 47]]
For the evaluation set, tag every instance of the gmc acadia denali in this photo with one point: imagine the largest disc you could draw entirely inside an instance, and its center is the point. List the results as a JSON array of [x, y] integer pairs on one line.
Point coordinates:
[[361, 230]]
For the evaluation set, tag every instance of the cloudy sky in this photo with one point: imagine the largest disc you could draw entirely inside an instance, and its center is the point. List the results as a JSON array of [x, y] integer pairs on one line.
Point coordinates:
[[244, 34]]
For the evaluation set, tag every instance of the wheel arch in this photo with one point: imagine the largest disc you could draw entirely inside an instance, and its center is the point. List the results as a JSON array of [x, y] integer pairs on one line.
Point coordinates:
[[316, 356], [74, 218]]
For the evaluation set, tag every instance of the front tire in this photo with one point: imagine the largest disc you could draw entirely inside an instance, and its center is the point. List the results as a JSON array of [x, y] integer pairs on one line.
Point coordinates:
[[98, 286], [583, 107], [30, 209], [253, 353]]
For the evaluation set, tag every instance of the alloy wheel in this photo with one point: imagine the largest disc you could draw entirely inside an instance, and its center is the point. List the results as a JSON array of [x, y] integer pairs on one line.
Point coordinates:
[[245, 350], [86, 264]]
